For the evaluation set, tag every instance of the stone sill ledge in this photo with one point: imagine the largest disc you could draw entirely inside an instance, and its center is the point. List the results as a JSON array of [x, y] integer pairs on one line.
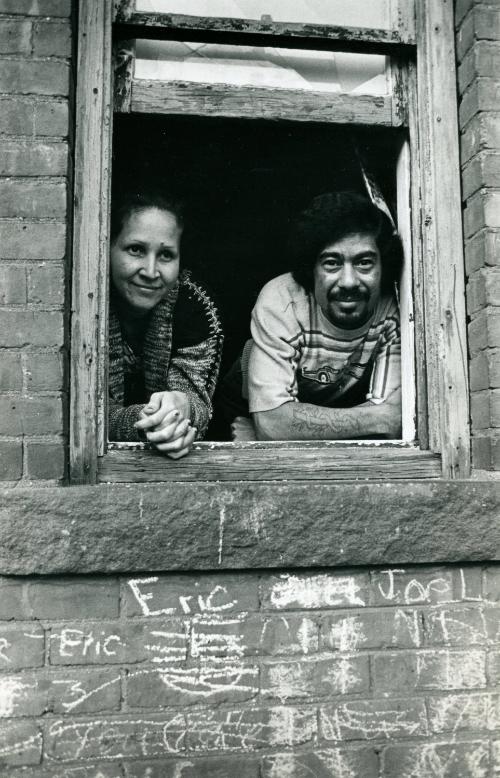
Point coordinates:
[[215, 526]]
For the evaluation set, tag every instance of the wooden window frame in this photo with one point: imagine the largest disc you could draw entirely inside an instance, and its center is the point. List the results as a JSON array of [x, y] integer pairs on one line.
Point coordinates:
[[423, 99]]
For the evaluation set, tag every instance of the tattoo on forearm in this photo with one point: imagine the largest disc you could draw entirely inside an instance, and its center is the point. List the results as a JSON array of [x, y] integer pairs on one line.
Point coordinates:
[[313, 418]]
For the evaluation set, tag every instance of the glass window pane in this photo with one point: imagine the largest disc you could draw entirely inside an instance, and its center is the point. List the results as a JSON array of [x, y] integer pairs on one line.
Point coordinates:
[[351, 13], [261, 66]]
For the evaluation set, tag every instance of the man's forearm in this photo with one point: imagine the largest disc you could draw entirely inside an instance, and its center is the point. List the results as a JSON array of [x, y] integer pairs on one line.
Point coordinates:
[[303, 421]]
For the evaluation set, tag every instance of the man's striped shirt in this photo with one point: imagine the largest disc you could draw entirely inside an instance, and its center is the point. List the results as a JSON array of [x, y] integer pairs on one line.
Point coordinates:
[[298, 354]]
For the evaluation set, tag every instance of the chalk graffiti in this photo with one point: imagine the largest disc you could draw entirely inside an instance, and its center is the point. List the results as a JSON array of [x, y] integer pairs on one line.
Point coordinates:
[[316, 591], [414, 591], [73, 642], [116, 739], [216, 601]]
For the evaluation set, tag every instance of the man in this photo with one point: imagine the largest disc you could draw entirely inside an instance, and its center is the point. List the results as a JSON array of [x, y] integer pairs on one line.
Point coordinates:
[[325, 360]]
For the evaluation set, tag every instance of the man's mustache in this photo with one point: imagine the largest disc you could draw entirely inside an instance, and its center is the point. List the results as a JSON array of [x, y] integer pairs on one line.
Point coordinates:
[[348, 297]]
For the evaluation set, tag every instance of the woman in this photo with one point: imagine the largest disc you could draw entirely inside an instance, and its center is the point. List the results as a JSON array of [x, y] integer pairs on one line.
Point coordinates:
[[165, 337]]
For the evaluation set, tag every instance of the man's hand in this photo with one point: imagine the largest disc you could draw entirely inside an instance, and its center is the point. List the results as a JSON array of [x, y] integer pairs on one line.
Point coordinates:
[[304, 421], [242, 429]]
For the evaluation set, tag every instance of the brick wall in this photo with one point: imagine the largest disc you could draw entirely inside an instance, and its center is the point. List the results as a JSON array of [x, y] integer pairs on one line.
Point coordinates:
[[35, 52], [478, 56], [359, 674]]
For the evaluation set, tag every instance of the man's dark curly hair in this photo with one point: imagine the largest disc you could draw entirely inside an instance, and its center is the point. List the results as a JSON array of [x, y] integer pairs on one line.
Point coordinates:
[[124, 203], [332, 216]]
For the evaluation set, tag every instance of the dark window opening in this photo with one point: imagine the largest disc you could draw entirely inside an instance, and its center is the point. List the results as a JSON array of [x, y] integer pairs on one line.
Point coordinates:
[[244, 182]]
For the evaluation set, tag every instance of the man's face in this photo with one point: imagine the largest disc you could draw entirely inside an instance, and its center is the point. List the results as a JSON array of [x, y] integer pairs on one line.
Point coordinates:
[[347, 280]]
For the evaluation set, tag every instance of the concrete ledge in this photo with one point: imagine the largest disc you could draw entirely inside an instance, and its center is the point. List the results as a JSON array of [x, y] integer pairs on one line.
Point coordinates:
[[212, 526]]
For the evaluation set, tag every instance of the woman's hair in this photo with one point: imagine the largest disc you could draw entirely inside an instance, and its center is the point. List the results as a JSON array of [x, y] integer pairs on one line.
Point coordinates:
[[332, 216], [123, 204]]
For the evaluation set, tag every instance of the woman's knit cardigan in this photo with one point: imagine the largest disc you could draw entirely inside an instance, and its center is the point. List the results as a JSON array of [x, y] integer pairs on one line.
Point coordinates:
[[186, 360]]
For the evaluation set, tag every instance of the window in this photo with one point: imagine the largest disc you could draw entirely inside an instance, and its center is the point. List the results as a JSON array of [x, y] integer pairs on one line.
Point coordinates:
[[392, 89]]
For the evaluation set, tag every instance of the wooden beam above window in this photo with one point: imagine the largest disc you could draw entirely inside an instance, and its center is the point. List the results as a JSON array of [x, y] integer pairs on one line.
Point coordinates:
[[247, 102], [250, 32]]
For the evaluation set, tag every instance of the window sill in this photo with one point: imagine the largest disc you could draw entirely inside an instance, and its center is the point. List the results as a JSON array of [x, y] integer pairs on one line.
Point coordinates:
[[123, 528], [271, 461]]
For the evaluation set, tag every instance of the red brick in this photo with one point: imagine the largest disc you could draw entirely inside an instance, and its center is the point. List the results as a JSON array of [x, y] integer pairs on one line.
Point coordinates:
[[52, 39], [289, 592], [123, 737], [483, 59], [32, 199], [491, 583], [30, 416], [46, 284], [461, 626], [203, 767], [483, 250], [33, 117], [20, 743], [278, 635], [335, 762], [12, 284], [493, 358], [23, 158], [462, 8], [313, 678], [11, 460], [484, 330], [462, 712], [407, 586], [485, 409], [370, 719], [483, 289], [20, 647], [486, 451], [11, 374], [482, 133], [451, 669], [248, 729], [482, 171], [45, 460], [102, 770], [482, 95], [480, 410], [44, 372], [479, 372], [446, 759], [101, 642], [34, 77], [465, 37], [51, 118], [495, 408], [483, 23], [12, 601], [483, 210], [31, 240], [65, 598], [15, 37], [183, 595], [36, 7], [210, 683], [394, 672], [468, 583], [20, 328], [62, 691], [371, 629]]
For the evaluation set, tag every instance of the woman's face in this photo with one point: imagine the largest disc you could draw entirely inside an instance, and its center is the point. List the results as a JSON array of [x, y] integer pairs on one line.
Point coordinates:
[[145, 258]]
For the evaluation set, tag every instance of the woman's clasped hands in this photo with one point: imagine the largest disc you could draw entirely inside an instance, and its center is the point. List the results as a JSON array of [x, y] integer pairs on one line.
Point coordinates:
[[165, 422]]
